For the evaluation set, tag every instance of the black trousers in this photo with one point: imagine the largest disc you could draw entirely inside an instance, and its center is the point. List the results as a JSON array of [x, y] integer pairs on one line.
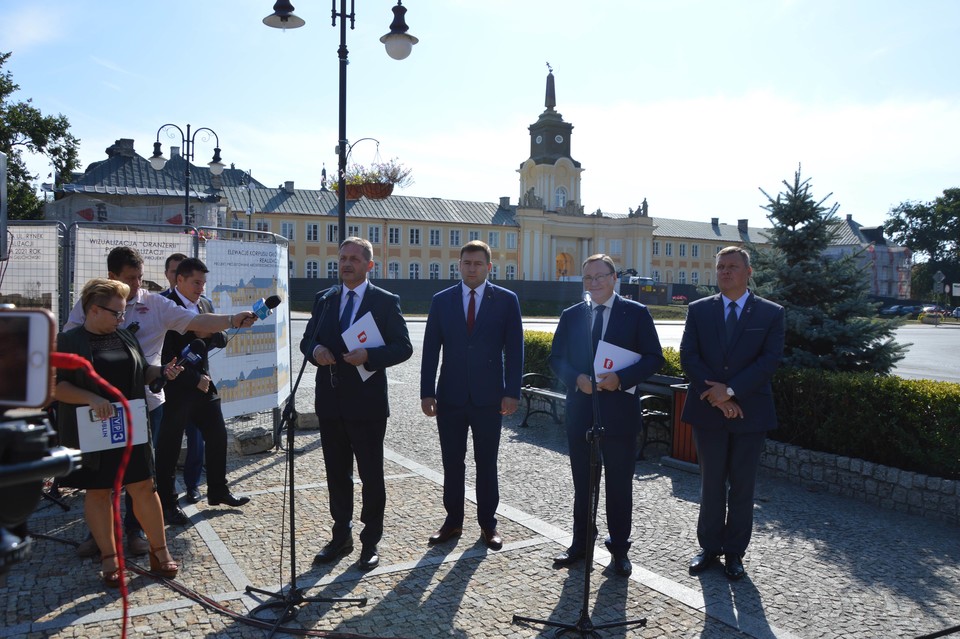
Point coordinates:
[[205, 412], [343, 440]]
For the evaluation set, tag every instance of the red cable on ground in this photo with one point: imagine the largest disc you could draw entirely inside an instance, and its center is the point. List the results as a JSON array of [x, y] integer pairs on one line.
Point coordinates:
[[73, 361]]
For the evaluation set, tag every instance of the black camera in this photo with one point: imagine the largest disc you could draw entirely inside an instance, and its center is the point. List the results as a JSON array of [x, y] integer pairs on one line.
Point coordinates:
[[27, 454]]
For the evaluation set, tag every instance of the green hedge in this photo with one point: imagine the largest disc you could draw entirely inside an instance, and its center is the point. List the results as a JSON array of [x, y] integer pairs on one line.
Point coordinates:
[[908, 424]]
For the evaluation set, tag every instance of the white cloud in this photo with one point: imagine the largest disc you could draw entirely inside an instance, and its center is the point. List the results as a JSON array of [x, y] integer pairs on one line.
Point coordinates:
[[31, 26]]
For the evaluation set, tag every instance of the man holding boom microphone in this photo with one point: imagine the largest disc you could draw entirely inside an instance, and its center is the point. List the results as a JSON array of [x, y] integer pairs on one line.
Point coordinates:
[[604, 319], [194, 399]]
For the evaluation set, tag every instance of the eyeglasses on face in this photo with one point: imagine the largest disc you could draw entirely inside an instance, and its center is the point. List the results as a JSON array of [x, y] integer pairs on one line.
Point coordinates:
[[118, 314], [596, 278]]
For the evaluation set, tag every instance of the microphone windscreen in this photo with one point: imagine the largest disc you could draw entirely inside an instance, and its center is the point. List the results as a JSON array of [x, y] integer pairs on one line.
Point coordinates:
[[273, 301], [198, 346]]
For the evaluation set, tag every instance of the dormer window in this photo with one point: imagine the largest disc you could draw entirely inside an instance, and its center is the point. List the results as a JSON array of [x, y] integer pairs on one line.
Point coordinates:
[[560, 197]]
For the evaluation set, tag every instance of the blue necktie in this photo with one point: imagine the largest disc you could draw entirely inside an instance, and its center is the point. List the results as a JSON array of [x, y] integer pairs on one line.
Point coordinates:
[[597, 326], [347, 313], [731, 320]]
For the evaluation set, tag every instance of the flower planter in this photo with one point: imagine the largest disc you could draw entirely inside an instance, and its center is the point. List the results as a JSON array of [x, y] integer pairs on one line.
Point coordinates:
[[354, 191], [376, 190]]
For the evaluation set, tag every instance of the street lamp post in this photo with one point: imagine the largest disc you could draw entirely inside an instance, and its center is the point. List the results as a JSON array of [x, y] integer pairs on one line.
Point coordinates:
[[250, 186], [398, 44], [157, 161]]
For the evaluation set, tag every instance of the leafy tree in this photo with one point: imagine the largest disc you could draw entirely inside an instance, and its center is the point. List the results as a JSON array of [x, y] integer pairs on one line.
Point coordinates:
[[24, 128], [929, 228], [831, 323]]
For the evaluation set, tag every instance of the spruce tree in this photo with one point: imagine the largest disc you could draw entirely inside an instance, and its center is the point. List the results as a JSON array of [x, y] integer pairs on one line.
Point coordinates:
[[831, 322]]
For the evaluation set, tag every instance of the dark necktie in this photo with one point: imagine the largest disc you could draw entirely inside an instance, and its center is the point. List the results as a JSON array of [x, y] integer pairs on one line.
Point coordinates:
[[731, 320], [347, 312], [597, 326], [472, 311]]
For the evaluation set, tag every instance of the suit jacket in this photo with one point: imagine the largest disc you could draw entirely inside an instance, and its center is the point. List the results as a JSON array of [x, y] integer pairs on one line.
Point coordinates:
[[354, 398], [746, 364], [630, 326], [185, 384], [481, 367]]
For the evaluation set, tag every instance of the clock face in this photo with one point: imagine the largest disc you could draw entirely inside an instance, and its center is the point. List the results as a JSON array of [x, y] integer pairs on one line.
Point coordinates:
[[539, 139], [559, 139]]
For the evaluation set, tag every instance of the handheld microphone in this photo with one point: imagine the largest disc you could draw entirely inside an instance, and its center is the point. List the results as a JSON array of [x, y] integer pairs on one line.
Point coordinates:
[[193, 353], [264, 307], [587, 299]]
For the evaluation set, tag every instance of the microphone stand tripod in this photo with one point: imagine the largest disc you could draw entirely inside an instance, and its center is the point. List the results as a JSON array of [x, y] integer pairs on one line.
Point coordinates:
[[293, 596], [584, 627]]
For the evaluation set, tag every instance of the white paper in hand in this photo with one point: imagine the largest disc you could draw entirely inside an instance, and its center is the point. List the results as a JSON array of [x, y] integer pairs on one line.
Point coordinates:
[[611, 358], [363, 334]]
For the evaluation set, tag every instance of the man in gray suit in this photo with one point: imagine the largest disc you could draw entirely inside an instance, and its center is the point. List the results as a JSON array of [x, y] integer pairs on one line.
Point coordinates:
[[732, 344]]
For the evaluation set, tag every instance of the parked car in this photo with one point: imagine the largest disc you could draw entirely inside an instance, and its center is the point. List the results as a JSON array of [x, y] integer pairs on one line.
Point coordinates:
[[890, 310], [956, 312], [933, 310]]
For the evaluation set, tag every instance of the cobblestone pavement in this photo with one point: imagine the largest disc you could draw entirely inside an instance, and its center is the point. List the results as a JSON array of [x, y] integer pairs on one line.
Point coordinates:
[[818, 565]]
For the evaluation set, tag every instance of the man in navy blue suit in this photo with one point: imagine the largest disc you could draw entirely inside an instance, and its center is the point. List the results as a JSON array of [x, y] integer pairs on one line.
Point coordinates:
[[479, 328], [626, 324], [352, 411], [732, 344]]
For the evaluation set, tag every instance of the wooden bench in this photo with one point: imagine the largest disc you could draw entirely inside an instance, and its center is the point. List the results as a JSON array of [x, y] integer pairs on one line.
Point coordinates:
[[544, 395]]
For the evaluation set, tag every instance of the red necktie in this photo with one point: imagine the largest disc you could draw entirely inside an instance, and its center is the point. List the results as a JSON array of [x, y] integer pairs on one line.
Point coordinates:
[[471, 311]]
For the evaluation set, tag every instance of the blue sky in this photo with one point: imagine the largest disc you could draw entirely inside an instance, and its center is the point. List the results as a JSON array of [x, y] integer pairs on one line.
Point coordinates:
[[694, 105]]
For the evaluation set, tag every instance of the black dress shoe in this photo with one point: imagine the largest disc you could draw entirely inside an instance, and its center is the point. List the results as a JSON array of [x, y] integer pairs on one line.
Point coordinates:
[[229, 500], [569, 557], [193, 495], [733, 567], [446, 533], [702, 561], [334, 550], [622, 565], [490, 537], [369, 558], [175, 516]]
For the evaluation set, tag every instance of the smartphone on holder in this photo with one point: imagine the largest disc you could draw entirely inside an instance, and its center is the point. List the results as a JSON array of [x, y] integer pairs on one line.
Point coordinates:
[[26, 340]]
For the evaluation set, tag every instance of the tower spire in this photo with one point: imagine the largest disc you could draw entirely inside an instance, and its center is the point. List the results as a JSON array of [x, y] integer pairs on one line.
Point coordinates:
[[551, 99]]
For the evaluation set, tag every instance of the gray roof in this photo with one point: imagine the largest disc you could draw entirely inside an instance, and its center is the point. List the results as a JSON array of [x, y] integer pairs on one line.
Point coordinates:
[[708, 231], [395, 207]]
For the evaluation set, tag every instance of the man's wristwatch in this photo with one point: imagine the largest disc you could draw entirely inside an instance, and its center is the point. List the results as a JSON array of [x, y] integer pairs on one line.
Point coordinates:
[[730, 392]]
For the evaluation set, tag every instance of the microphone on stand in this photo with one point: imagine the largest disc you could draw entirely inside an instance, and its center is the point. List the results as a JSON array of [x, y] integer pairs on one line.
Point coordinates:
[[192, 353], [264, 307], [587, 299]]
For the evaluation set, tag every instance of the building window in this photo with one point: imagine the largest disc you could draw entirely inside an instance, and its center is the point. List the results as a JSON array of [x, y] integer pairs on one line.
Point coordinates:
[[717, 252], [263, 225], [668, 249], [333, 269], [353, 230], [414, 270], [494, 272], [682, 277], [377, 270], [493, 238], [511, 240], [313, 232], [656, 247], [616, 247], [511, 272], [473, 235], [333, 233], [560, 197], [286, 230], [434, 271], [393, 271], [694, 276], [434, 237], [313, 269], [414, 238], [683, 249], [393, 235], [454, 270], [694, 250], [455, 237], [290, 268], [655, 275], [373, 234]]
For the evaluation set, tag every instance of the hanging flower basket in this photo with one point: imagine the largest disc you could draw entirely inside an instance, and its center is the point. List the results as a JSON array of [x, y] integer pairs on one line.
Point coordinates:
[[354, 191], [376, 190]]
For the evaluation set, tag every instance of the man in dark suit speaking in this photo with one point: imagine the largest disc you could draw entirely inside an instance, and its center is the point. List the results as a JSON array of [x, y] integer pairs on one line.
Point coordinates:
[[478, 326], [622, 323], [732, 344], [353, 412]]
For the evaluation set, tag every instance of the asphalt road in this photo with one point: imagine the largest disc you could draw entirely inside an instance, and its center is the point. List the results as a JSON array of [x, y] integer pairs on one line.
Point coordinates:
[[933, 351]]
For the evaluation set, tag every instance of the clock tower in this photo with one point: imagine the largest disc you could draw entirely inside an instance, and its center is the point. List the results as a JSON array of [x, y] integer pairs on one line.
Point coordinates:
[[550, 177]]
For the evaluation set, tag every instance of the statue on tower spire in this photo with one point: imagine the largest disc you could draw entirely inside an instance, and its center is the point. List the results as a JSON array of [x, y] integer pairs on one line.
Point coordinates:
[[551, 100]]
